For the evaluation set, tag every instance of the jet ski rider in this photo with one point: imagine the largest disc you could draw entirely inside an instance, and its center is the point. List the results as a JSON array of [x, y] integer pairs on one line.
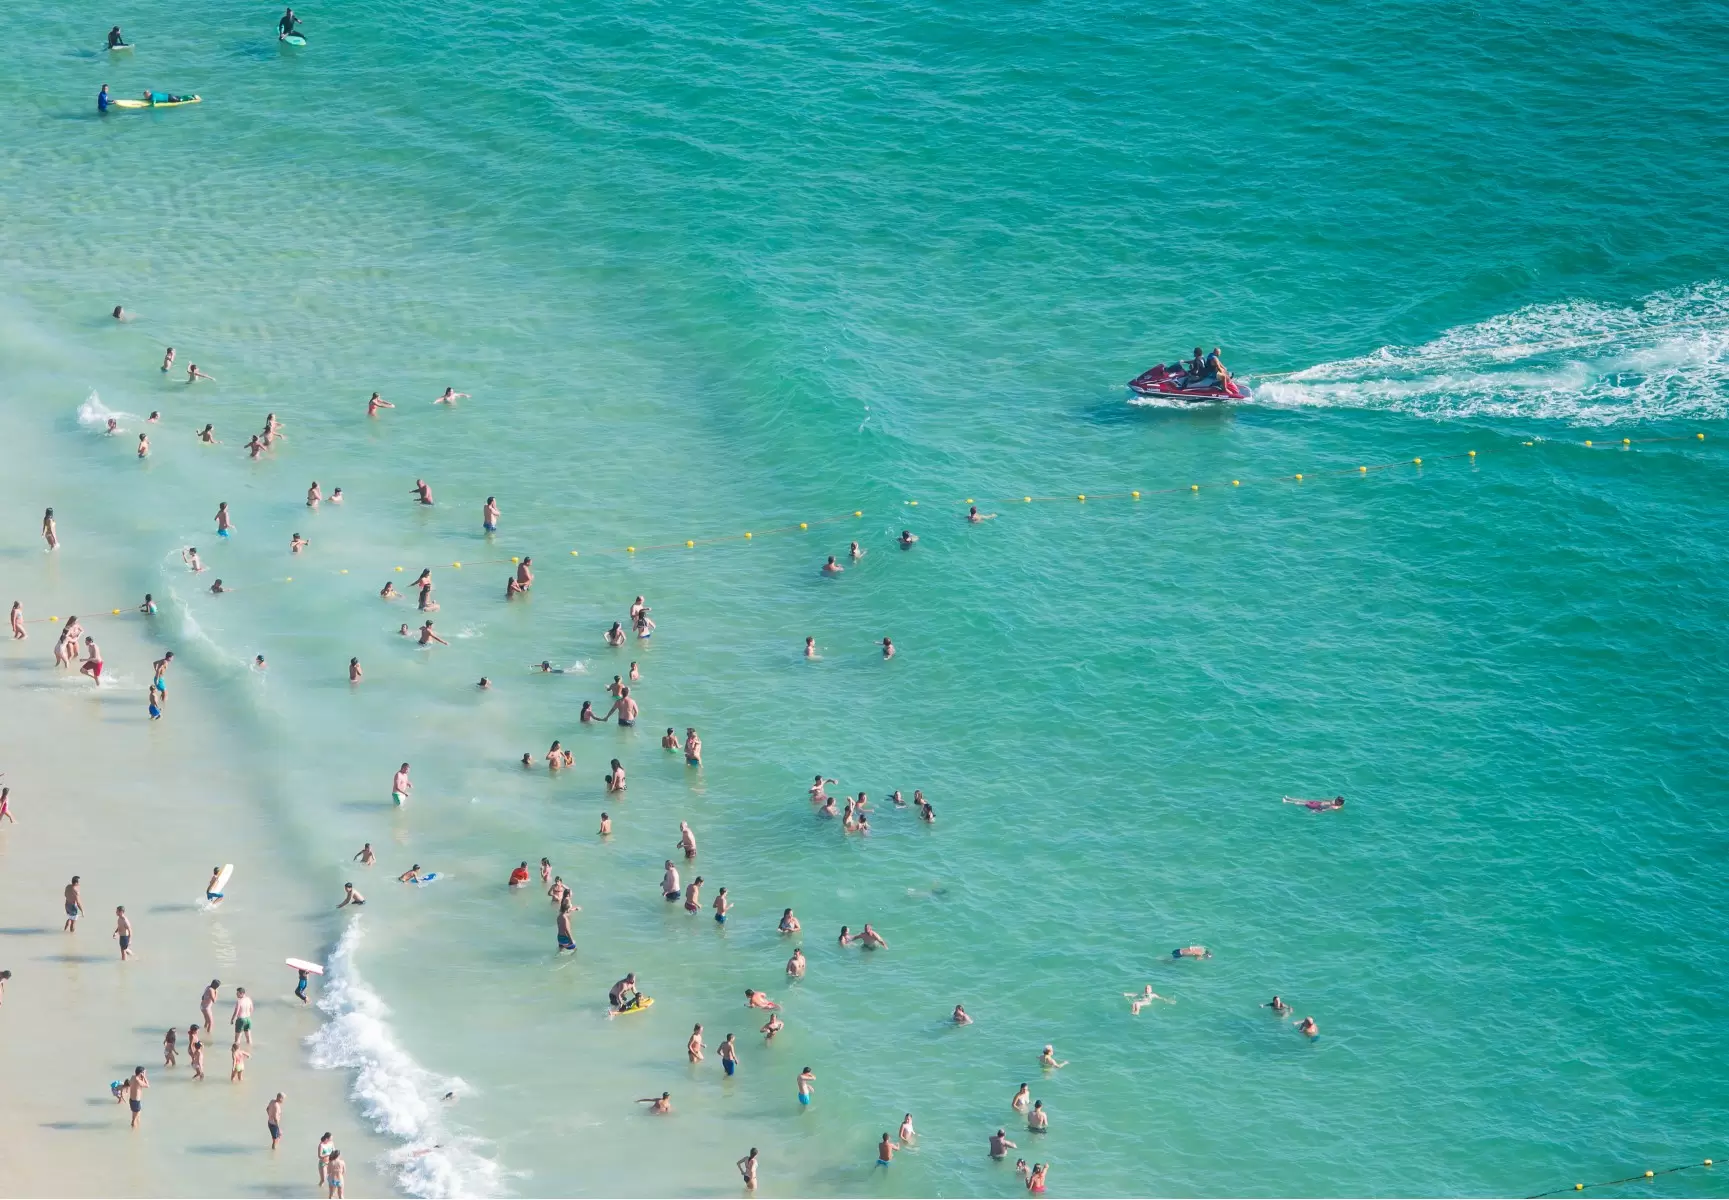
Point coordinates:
[[1215, 369]]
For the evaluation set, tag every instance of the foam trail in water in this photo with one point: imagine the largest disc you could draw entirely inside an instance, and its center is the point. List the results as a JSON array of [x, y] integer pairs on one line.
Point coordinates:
[[93, 414], [1665, 357], [399, 1096]]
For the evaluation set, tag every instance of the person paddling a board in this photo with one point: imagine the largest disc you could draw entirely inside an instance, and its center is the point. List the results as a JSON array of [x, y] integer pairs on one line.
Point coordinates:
[[289, 25]]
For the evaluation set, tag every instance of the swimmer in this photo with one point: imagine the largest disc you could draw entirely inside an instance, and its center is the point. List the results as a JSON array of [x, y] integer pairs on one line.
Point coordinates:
[[669, 740], [871, 939], [545, 869], [401, 785], [774, 1026], [855, 552], [586, 716], [557, 890], [888, 648], [795, 965], [827, 809], [615, 635], [216, 589], [1048, 1060], [669, 885], [412, 875], [1191, 952], [193, 374], [625, 707], [210, 892], [1333, 805], [168, 360], [562, 925], [806, 1085], [113, 427], [519, 876], [123, 931], [426, 602], [207, 435], [747, 1169], [513, 589], [148, 608], [1139, 1000], [224, 522], [525, 573], [207, 1004], [810, 648], [927, 814], [546, 668], [336, 496], [313, 495], [686, 839], [635, 674], [1279, 1007], [171, 1047], [6, 805], [555, 755], [658, 1105], [422, 491], [1000, 1144], [692, 747], [297, 543], [644, 627], [907, 538], [623, 995], [154, 417], [895, 799], [605, 825], [528, 760], [489, 515], [960, 1015], [1039, 1121], [143, 446], [615, 783], [845, 939], [616, 686], [907, 1133], [1023, 1099], [375, 403], [194, 1052], [1308, 1028], [756, 999], [1036, 1178], [693, 895], [19, 633], [886, 1150], [254, 448], [354, 673], [789, 922], [427, 636], [365, 855], [831, 567], [92, 665], [817, 794], [241, 1018], [388, 591], [693, 1047], [451, 396], [49, 533], [637, 607], [133, 1089]]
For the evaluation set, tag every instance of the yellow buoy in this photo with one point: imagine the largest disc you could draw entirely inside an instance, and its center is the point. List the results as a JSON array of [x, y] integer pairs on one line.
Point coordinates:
[[399, 568], [1650, 1174], [116, 612], [630, 549], [1707, 1161], [456, 564], [345, 570], [747, 534], [513, 558], [969, 500], [1299, 476], [1418, 461], [1527, 443], [1236, 483], [914, 503], [1578, 1187], [1626, 441], [857, 513], [1028, 499], [688, 544], [802, 525], [573, 554], [1194, 487], [1701, 437], [290, 579], [53, 618], [1587, 441], [1364, 470], [1472, 453], [1136, 495]]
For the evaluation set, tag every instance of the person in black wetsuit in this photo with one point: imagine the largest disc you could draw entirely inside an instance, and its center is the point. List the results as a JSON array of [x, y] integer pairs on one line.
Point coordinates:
[[114, 38], [288, 25]]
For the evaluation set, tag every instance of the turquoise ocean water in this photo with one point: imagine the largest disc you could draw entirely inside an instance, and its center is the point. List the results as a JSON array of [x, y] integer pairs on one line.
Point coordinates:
[[715, 269]]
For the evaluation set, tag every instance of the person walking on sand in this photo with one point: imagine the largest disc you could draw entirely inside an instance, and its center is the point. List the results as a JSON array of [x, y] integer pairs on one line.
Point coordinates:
[[123, 931], [6, 805], [74, 906], [207, 1004], [133, 1090], [273, 1118], [242, 1016], [747, 1169]]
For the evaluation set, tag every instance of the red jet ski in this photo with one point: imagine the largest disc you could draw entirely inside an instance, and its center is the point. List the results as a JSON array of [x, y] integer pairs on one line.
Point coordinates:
[[1174, 381]]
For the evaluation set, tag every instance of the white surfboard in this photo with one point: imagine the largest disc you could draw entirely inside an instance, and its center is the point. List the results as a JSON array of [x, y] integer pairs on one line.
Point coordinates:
[[300, 964]]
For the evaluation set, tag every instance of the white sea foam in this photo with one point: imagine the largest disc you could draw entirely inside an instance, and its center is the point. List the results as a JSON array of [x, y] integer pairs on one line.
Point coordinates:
[[399, 1096], [1665, 357], [93, 414]]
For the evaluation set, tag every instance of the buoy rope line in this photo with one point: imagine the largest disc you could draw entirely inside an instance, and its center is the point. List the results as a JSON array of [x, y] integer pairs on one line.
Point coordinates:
[[1081, 497], [1584, 1187]]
